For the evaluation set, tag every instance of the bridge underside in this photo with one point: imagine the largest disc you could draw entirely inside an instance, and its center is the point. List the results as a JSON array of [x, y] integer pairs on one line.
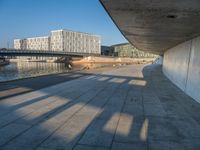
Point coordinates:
[[37, 55], [155, 25], [166, 27], [42, 53]]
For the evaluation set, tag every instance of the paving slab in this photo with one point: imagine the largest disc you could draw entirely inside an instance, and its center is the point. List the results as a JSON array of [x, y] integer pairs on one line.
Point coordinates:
[[87, 147], [129, 146], [162, 128], [10, 131], [165, 145], [191, 144], [133, 109], [154, 110], [68, 135], [102, 130], [126, 108], [37, 134], [22, 110], [129, 128]]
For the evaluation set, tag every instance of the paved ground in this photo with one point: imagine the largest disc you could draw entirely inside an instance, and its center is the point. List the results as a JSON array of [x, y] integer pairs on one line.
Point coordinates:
[[17, 87], [122, 109]]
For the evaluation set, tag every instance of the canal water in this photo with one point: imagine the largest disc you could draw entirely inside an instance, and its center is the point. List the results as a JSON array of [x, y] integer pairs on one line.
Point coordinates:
[[20, 69]]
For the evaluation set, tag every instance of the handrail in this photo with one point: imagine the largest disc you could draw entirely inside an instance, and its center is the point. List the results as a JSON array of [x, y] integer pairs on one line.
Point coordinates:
[[48, 52]]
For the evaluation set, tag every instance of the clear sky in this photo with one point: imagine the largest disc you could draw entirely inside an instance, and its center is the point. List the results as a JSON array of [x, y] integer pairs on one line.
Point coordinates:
[[30, 18]]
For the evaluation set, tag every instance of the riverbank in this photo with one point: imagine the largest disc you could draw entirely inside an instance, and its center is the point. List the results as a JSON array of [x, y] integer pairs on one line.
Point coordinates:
[[4, 62], [18, 70], [95, 62]]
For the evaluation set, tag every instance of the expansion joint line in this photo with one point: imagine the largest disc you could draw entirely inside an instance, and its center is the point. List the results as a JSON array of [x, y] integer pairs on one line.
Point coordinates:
[[82, 134], [129, 89], [142, 97], [188, 65], [68, 120]]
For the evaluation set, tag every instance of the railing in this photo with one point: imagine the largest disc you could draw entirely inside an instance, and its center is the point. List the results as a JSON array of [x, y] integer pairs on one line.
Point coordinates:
[[4, 52]]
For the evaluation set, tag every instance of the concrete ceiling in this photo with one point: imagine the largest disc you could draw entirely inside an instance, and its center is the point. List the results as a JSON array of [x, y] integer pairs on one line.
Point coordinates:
[[155, 25]]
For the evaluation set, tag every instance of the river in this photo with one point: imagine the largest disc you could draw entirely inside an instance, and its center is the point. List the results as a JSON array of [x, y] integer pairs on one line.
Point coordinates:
[[22, 69]]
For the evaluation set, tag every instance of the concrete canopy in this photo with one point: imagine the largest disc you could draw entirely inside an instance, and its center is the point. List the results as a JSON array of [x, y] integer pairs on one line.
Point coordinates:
[[155, 25]]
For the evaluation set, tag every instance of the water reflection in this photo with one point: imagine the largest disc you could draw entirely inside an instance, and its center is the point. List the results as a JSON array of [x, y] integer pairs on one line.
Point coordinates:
[[17, 70]]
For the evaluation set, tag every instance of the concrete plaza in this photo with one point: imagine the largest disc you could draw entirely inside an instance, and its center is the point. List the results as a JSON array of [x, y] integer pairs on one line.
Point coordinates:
[[130, 108]]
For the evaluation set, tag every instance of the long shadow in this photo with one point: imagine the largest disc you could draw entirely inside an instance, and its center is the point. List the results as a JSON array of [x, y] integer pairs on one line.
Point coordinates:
[[16, 93], [27, 102], [58, 110], [37, 83], [32, 84], [128, 102]]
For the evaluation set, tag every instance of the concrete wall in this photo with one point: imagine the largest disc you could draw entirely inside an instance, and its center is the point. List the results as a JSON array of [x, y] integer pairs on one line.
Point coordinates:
[[181, 65]]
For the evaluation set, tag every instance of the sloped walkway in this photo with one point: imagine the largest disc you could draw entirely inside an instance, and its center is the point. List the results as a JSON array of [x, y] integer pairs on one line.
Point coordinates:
[[132, 108]]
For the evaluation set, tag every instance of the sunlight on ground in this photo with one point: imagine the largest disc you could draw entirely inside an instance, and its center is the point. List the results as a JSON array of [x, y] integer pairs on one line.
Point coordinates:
[[144, 130], [109, 127], [91, 77], [80, 121], [140, 82], [117, 80], [76, 75], [22, 98], [59, 101], [13, 91], [103, 78], [125, 124]]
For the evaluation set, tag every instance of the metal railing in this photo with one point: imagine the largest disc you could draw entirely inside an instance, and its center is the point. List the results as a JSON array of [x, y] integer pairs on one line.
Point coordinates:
[[19, 52]]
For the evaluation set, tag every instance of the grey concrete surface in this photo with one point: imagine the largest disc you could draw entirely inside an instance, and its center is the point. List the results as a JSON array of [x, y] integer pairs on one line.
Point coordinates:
[[181, 66], [175, 65], [167, 27], [21, 86], [193, 81], [135, 107], [155, 26]]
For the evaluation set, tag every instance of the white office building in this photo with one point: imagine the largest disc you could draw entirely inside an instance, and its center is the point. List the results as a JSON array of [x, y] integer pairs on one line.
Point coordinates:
[[62, 40], [37, 43], [17, 44]]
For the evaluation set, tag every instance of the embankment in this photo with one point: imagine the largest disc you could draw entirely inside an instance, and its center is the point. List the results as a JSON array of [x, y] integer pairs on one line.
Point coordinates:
[[94, 62]]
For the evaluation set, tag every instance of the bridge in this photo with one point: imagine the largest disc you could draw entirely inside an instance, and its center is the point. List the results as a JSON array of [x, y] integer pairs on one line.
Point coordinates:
[[170, 28], [43, 53]]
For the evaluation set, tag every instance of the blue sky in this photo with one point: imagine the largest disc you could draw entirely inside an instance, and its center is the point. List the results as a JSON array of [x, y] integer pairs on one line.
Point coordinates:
[[29, 18]]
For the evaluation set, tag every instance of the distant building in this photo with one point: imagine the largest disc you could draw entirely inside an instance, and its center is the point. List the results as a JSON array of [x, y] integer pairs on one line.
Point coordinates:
[[127, 50], [17, 44], [37, 43], [106, 50], [62, 40], [75, 42]]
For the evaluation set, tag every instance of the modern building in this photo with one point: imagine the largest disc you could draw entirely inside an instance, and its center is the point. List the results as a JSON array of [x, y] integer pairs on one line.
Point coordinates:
[[128, 50], [70, 41], [106, 50], [62, 40], [17, 44], [37, 43]]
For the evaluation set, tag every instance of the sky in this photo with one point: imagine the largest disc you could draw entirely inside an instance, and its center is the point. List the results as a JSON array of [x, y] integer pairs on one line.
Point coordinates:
[[31, 18]]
